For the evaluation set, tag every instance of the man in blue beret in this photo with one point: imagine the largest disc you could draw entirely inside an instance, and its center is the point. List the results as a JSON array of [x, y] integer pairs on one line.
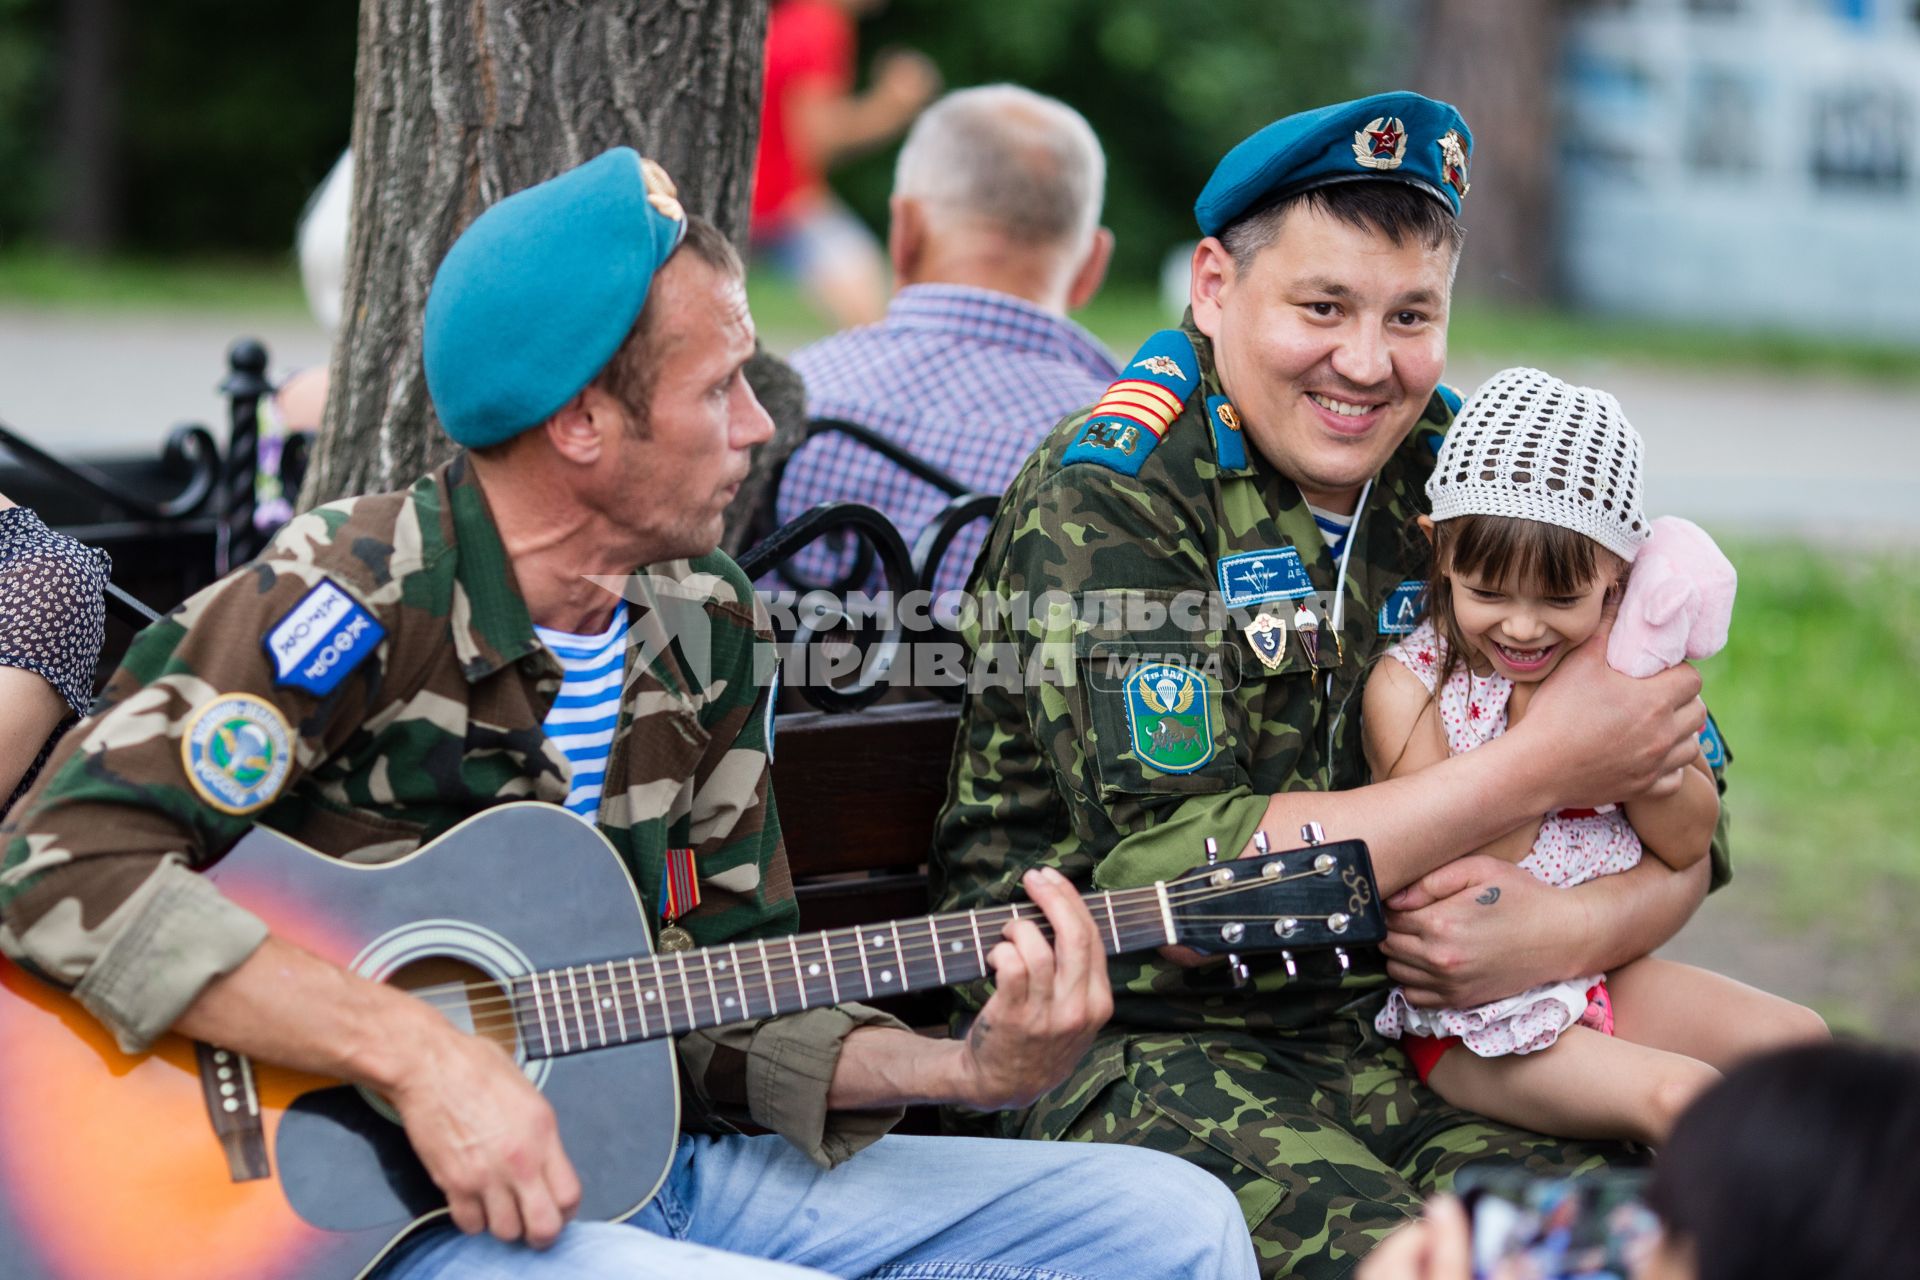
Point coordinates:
[[546, 618], [1245, 498]]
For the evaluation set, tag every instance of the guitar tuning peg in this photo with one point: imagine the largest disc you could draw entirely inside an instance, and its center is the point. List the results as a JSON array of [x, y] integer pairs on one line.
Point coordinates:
[[1213, 851], [1313, 833], [1260, 845], [1237, 969], [1340, 954], [1293, 970]]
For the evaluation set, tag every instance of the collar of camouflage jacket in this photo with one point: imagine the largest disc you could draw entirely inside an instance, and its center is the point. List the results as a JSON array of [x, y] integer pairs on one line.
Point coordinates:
[[490, 624]]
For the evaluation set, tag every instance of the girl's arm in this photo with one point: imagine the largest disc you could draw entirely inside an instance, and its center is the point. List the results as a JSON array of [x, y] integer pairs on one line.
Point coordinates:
[[1401, 731], [1678, 828]]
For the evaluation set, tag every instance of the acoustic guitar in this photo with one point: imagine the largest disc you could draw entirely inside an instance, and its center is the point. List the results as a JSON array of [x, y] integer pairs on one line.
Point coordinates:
[[191, 1162]]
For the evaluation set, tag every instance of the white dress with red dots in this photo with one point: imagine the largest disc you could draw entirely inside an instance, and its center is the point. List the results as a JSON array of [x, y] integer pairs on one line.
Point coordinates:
[[1572, 848]]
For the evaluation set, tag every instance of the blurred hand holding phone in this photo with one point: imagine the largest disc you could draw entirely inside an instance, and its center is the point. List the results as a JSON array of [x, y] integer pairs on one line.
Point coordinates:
[[1527, 1227]]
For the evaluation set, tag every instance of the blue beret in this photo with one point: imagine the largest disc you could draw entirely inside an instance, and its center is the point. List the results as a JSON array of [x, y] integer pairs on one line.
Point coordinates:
[[539, 292], [1399, 137]]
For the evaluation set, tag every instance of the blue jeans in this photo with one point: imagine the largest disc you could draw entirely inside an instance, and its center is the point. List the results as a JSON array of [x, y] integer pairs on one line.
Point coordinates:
[[906, 1208]]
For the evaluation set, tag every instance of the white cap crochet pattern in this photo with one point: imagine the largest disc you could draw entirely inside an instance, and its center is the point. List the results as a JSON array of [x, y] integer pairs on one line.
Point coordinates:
[[1531, 446]]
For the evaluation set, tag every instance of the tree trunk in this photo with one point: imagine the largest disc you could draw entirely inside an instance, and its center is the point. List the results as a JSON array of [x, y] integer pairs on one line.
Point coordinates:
[[1499, 62], [85, 135], [459, 105]]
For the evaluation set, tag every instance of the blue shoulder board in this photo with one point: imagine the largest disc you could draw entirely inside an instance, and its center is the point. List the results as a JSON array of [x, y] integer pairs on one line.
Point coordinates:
[[1136, 411], [1451, 397]]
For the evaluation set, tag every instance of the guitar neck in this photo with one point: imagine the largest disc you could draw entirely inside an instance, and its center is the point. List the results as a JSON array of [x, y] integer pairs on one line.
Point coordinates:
[[592, 1006]]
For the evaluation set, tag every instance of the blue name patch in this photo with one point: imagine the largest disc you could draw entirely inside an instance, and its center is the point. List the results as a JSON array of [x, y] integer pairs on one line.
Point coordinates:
[[318, 641], [1255, 577], [1402, 611]]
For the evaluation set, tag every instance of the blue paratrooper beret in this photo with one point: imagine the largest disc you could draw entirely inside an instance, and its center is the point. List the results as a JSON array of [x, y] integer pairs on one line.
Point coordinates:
[[539, 292], [1398, 137]]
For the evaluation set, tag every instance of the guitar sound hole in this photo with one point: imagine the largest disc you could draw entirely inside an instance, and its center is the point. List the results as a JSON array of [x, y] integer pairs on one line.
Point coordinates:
[[466, 995]]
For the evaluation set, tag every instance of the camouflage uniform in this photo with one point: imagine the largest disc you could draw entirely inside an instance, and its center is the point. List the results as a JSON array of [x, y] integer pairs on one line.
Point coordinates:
[[440, 721], [1283, 1089]]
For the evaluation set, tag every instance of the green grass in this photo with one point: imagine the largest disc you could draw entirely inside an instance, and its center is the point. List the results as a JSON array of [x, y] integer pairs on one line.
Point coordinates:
[[1818, 695], [40, 277]]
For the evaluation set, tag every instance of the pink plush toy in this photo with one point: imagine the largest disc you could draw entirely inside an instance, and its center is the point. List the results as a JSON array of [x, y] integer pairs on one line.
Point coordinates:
[[1678, 602]]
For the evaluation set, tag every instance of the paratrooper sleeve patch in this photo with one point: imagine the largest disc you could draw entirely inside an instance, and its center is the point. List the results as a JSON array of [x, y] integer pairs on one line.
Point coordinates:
[[1135, 412]]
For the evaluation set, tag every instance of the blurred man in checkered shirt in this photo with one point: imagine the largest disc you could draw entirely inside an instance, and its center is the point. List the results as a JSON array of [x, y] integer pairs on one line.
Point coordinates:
[[995, 236]]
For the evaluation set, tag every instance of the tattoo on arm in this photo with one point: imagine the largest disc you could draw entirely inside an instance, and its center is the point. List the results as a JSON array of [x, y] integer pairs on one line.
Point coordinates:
[[977, 1033], [1491, 896]]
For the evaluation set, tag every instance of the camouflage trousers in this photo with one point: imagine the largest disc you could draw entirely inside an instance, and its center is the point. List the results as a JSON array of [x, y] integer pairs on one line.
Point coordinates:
[[1323, 1133]]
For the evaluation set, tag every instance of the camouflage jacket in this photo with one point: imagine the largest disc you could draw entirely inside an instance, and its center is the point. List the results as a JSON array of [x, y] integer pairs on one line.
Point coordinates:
[[1112, 734], [433, 713]]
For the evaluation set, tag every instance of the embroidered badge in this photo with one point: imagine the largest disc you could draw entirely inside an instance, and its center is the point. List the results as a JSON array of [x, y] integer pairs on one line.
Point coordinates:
[[1402, 611], [1257, 577], [1713, 746], [322, 638], [1229, 446], [1268, 636], [1382, 144], [237, 753], [1169, 717], [1453, 161], [1160, 365]]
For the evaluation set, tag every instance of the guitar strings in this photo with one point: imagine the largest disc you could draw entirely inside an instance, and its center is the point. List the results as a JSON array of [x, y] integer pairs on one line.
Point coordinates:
[[487, 1015], [1135, 911], [1141, 906]]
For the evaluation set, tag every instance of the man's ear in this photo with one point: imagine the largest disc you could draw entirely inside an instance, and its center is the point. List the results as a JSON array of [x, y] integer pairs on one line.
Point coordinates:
[[1211, 279], [1092, 272], [906, 238], [578, 432]]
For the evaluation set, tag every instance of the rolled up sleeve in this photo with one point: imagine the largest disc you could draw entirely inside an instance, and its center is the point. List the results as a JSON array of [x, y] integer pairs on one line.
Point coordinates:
[[774, 1075]]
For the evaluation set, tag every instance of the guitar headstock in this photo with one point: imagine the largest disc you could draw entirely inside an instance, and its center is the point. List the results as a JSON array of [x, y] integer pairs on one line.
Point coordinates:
[[1322, 895]]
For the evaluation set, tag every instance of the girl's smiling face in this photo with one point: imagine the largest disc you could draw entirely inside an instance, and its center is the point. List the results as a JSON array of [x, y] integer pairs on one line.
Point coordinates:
[[1516, 628]]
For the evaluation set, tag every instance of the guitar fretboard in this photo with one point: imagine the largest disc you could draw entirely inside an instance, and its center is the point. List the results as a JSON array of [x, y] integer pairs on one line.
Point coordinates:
[[592, 1006]]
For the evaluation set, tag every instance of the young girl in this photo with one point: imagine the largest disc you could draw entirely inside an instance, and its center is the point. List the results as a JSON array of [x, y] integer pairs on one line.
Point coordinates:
[[1536, 518]]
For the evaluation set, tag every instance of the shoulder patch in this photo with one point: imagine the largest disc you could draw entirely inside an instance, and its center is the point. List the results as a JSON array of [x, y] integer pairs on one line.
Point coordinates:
[[237, 751], [317, 642], [1714, 746], [1449, 397], [1169, 716], [1136, 410], [1229, 444]]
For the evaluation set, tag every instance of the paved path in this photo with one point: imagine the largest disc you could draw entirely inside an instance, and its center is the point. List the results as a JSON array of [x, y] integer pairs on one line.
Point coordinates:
[[1828, 459]]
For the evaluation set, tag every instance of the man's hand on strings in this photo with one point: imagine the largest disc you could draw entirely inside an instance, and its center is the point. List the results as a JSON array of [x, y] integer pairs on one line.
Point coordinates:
[[1048, 1000]]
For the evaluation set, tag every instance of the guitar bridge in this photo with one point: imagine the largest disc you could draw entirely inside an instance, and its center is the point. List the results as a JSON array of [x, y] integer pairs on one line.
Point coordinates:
[[233, 1105]]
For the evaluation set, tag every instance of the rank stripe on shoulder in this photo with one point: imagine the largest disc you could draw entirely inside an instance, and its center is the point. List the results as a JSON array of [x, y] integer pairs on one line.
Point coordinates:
[[1135, 411]]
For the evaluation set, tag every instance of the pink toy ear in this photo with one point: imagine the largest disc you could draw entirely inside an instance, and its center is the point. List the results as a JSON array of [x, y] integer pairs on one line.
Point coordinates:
[[1669, 599]]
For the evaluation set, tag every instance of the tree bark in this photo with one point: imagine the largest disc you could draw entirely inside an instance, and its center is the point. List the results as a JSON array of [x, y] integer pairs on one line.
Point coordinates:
[[85, 135], [461, 104], [1498, 61]]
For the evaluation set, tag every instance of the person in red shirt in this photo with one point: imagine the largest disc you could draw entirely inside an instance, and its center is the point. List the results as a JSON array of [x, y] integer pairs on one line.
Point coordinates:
[[810, 118]]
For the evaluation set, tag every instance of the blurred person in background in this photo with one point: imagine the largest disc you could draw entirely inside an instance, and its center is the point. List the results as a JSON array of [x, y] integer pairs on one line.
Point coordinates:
[[52, 623], [810, 119], [1798, 1164], [995, 235]]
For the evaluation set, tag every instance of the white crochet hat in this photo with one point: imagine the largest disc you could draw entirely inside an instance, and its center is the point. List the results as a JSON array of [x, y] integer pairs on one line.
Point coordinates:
[[1532, 446]]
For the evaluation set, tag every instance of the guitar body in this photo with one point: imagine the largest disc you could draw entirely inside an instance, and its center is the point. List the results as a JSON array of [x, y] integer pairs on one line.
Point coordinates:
[[110, 1164]]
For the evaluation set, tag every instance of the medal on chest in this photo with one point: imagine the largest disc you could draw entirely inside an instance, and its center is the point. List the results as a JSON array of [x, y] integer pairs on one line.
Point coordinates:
[[679, 894]]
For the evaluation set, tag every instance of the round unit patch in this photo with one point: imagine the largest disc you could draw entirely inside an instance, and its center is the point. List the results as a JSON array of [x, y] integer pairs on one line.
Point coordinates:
[[238, 752]]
